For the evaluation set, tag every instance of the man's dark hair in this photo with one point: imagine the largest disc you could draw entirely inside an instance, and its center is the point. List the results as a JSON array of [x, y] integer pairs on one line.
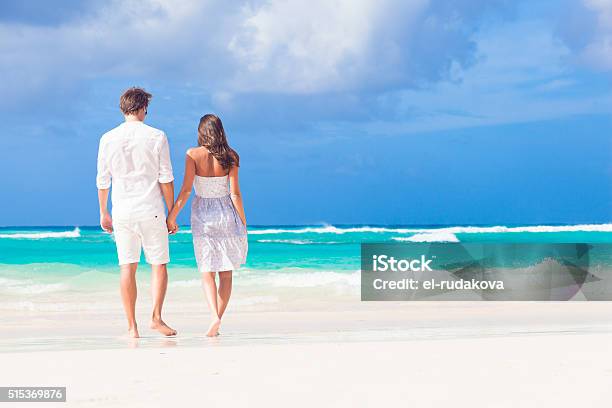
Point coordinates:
[[133, 100]]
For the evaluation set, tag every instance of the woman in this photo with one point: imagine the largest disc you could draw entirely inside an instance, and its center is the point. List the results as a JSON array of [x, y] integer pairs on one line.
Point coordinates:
[[218, 223]]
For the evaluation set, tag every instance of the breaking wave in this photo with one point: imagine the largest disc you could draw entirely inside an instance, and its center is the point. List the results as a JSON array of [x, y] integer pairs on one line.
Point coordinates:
[[75, 233], [430, 237], [330, 229]]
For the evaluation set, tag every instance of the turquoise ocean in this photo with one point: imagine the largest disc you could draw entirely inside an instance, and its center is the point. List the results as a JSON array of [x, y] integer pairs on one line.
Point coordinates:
[[45, 268]]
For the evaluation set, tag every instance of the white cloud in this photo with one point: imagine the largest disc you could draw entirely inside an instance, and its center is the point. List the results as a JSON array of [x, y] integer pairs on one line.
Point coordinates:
[[591, 38], [151, 39], [406, 65], [512, 82], [263, 46], [604, 10], [599, 51], [315, 46], [556, 84]]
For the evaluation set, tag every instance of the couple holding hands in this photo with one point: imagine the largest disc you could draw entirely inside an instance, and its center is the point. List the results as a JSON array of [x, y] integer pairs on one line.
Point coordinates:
[[135, 159]]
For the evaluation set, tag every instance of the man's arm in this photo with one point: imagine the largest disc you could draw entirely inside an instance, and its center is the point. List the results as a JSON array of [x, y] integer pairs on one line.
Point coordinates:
[[167, 190], [103, 182], [166, 178], [106, 221]]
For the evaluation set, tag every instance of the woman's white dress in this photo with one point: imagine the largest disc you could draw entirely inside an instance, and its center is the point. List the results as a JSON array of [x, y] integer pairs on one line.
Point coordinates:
[[219, 236]]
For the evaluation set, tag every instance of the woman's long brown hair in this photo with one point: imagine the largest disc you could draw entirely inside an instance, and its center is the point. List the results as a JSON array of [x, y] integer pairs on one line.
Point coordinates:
[[211, 135]]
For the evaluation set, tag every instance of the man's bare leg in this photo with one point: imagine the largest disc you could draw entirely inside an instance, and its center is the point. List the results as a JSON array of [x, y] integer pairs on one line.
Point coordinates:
[[128, 296], [159, 284], [225, 291], [210, 289]]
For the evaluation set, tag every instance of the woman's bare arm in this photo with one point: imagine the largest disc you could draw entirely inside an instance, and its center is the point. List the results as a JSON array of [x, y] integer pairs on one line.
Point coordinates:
[[190, 169], [235, 193]]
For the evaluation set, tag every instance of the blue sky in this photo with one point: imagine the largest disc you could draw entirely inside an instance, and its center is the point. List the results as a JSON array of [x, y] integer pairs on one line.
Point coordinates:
[[400, 112]]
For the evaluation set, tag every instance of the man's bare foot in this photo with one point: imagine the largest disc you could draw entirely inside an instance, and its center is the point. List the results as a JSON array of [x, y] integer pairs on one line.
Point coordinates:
[[133, 333], [213, 329], [163, 328]]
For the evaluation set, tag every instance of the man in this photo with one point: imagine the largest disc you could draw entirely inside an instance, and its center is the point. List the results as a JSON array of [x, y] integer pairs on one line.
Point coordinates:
[[135, 158]]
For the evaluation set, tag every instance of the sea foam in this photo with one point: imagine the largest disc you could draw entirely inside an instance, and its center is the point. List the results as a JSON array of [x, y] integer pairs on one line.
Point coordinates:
[[301, 278], [430, 237], [330, 229], [76, 233], [327, 229], [29, 287], [286, 241]]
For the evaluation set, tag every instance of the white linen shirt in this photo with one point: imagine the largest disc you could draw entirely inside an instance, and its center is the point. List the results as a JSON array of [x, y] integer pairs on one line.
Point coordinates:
[[136, 158]]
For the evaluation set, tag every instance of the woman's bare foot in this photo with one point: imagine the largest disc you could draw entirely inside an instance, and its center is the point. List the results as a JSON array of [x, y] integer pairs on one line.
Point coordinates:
[[213, 329], [133, 332], [163, 328]]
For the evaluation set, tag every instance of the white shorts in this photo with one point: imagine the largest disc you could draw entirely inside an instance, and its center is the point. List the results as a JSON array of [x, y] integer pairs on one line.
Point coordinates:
[[150, 234]]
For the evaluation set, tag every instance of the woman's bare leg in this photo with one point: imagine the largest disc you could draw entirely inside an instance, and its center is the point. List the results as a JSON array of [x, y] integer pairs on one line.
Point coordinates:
[[225, 291], [128, 296], [210, 289]]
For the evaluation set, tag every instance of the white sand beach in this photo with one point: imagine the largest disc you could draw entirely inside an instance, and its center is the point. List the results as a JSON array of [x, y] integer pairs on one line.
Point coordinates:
[[341, 354]]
